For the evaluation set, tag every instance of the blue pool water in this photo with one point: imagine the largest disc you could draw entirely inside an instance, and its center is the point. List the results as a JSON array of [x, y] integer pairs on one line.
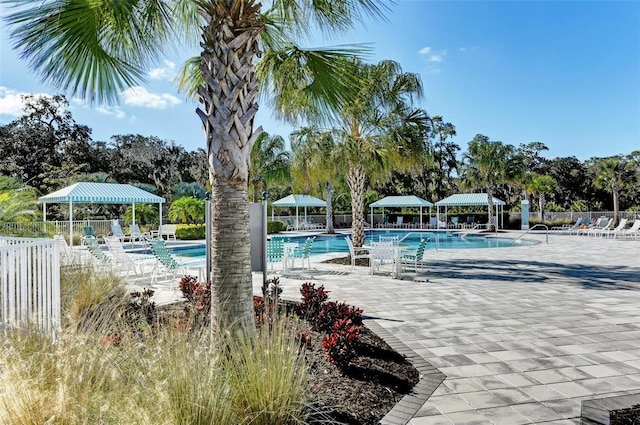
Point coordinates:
[[324, 244]]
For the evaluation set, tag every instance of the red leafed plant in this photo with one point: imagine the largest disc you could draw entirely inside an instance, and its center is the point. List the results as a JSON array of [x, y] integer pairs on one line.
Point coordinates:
[[332, 312], [340, 344], [312, 300]]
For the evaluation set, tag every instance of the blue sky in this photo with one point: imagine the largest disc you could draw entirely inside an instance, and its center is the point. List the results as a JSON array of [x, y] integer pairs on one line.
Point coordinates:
[[564, 73]]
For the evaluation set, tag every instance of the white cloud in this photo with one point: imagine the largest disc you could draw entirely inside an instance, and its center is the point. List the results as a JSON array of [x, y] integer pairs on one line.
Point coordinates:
[[11, 101], [139, 96], [111, 110], [168, 72], [432, 56]]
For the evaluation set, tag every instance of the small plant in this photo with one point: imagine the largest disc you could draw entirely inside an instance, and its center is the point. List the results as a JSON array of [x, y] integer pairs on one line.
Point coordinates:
[[332, 312], [267, 307], [340, 344], [198, 306], [312, 300]]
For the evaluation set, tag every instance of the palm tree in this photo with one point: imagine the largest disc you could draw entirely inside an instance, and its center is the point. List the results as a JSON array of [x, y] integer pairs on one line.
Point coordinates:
[[269, 163], [379, 132], [486, 165], [187, 209], [145, 214], [95, 50], [542, 184], [609, 176], [314, 163]]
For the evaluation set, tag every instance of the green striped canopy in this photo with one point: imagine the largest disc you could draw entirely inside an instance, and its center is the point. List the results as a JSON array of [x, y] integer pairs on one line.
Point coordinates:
[[462, 199], [101, 193]]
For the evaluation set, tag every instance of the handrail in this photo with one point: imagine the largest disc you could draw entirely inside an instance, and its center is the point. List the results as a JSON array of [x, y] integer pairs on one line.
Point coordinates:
[[530, 229], [471, 230], [421, 234]]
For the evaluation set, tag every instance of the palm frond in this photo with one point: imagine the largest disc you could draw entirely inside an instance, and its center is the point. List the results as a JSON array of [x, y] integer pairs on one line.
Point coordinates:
[[93, 50], [311, 84]]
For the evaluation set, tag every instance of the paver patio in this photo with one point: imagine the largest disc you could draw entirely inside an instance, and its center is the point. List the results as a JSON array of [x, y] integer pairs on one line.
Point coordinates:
[[523, 334]]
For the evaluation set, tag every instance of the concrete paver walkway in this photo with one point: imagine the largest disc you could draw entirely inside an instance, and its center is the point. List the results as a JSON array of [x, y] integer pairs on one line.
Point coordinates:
[[523, 334]]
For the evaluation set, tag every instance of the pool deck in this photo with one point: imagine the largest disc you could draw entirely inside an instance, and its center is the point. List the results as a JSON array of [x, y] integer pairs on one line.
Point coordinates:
[[522, 334]]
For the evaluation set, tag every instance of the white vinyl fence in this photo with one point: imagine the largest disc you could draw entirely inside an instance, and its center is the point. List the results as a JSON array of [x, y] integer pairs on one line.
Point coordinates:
[[30, 283]]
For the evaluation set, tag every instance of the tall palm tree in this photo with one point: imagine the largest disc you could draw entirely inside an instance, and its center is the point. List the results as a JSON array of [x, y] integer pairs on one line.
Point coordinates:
[[96, 49], [486, 165], [379, 132], [314, 163], [269, 163], [541, 185], [609, 176]]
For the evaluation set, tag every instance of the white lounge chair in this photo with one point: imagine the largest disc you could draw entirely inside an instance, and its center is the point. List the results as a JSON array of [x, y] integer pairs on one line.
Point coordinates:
[[621, 225], [598, 231], [599, 224], [127, 262], [357, 253], [632, 231], [137, 235]]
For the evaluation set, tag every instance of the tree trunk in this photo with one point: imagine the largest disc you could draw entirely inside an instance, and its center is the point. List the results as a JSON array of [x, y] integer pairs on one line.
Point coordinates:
[[490, 225], [356, 180], [231, 286], [329, 195], [229, 51], [616, 205], [542, 207]]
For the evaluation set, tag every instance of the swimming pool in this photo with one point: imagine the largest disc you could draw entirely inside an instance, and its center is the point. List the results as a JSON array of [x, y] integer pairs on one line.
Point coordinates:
[[325, 244]]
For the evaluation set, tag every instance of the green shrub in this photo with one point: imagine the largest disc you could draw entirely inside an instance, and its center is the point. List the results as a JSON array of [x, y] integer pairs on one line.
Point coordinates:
[[275, 226], [190, 231]]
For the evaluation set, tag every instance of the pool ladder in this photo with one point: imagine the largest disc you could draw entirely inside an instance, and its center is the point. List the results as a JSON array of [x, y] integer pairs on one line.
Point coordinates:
[[530, 229]]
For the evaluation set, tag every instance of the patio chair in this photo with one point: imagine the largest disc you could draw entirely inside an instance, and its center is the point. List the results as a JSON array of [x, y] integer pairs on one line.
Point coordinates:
[[392, 240], [598, 230], [87, 233], [384, 222], [599, 224], [166, 260], [138, 235], [70, 256], [381, 254], [356, 253], [124, 261], [634, 231], [415, 259], [619, 228], [100, 260], [275, 251], [568, 228], [304, 252], [399, 221], [454, 222], [116, 229]]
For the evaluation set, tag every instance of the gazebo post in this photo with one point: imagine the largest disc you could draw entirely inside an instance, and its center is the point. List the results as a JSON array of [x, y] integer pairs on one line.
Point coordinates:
[[44, 217], [160, 220], [133, 213], [70, 223]]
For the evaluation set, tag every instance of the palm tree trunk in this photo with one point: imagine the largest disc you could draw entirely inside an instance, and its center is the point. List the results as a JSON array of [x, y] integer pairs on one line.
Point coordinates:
[[542, 207], [356, 179], [229, 51], [490, 224], [616, 205], [231, 286], [329, 195]]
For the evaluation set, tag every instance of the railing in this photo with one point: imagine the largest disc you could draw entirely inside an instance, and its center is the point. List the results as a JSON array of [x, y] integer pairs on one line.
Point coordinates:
[[30, 283], [477, 226], [530, 229], [422, 234]]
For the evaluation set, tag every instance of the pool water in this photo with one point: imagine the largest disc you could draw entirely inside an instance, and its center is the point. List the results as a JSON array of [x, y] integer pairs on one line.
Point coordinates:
[[324, 244]]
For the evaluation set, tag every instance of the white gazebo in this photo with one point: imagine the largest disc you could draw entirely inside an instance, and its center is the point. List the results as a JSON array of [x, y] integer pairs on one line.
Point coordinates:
[[407, 201], [298, 201], [99, 193], [469, 199]]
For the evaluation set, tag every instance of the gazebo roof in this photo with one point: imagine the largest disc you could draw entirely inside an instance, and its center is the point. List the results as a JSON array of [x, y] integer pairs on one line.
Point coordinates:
[[462, 199], [299, 201], [101, 193], [400, 201]]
